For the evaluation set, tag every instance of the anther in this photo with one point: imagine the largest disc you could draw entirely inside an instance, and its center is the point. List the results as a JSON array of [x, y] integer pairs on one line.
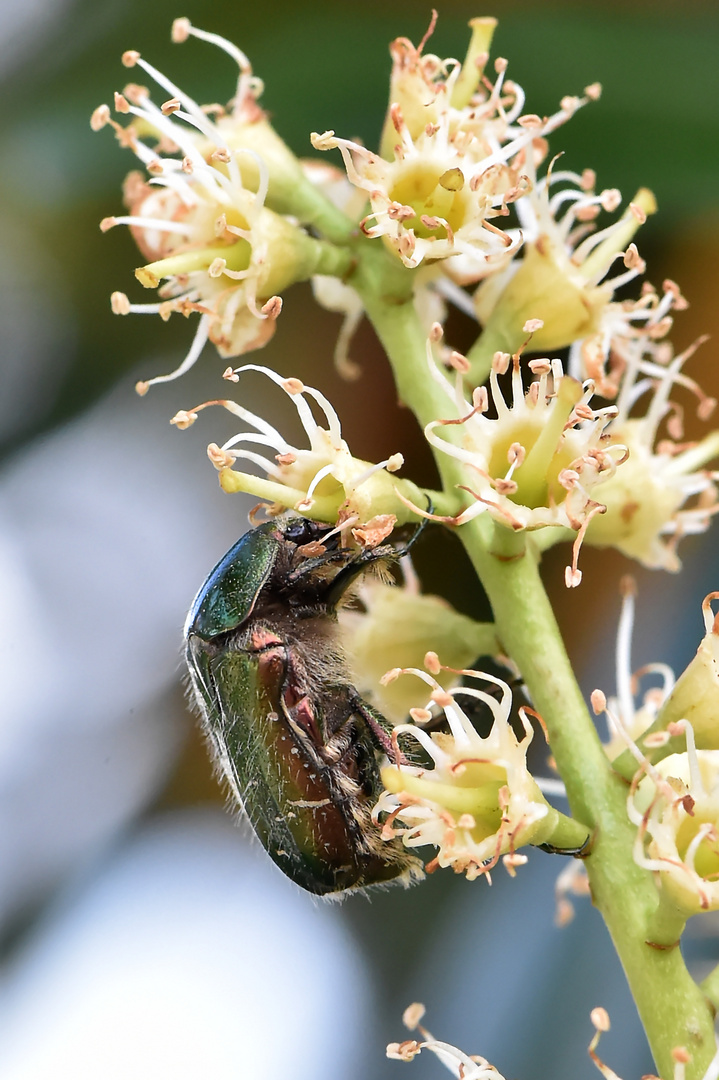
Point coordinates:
[[100, 117], [180, 31], [272, 308], [120, 304]]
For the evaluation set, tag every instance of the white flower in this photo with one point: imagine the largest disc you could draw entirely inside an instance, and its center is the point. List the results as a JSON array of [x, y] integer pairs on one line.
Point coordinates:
[[629, 340], [561, 277], [325, 479], [676, 810], [201, 220], [675, 806], [634, 718], [453, 154], [478, 803], [536, 463], [661, 493], [461, 1065]]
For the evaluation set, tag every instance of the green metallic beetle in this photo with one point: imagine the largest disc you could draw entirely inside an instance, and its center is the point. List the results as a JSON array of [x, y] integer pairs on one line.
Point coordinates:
[[298, 746]]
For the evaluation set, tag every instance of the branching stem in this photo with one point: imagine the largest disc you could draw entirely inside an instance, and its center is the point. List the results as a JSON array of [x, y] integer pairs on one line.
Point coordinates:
[[674, 1010]]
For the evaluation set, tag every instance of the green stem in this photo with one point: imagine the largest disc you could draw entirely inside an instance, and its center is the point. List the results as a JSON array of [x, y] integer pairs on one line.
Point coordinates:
[[565, 834], [493, 339], [385, 288], [672, 1007], [331, 260], [710, 986], [666, 924], [313, 208]]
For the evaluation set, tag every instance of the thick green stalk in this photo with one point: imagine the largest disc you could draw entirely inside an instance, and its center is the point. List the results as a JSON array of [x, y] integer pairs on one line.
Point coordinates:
[[710, 986], [313, 208], [673, 1009], [385, 287]]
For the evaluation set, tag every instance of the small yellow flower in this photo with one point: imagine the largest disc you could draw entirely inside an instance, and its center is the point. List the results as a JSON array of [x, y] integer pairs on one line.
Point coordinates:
[[479, 802], [432, 288], [536, 463], [561, 277], [661, 493], [324, 481], [675, 806], [212, 245], [676, 810], [452, 159]]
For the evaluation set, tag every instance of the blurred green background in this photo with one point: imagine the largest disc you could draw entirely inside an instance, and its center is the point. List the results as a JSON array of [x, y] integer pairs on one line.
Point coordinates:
[[326, 65]]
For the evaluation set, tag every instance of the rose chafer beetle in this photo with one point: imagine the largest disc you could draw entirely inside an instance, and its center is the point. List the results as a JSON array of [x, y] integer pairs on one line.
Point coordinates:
[[297, 745]]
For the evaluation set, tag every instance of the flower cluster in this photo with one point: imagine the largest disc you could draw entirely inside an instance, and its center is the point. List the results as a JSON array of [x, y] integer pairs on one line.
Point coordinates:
[[461, 203], [457, 152]]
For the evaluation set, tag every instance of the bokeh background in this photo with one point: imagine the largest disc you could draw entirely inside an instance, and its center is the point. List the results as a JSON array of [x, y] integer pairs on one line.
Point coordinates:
[[143, 933]]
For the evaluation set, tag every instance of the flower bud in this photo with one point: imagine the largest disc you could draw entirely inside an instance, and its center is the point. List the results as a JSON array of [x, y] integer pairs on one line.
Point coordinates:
[[676, 808], [397, 629], [558, 281], [695, 696]]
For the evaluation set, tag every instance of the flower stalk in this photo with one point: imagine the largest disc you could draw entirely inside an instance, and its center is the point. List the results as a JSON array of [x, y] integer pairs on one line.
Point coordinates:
[[673, 1008]]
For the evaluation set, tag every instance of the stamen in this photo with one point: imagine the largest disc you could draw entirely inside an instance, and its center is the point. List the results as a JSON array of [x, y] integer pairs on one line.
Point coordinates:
[[198, 343], [326, 470], [623, 649], [181, 28], [160, 224], [264, 463]]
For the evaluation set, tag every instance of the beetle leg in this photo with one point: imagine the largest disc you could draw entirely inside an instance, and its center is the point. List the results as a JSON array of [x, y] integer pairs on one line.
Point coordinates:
[[380, 734], [576, 852], [355, 566]]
